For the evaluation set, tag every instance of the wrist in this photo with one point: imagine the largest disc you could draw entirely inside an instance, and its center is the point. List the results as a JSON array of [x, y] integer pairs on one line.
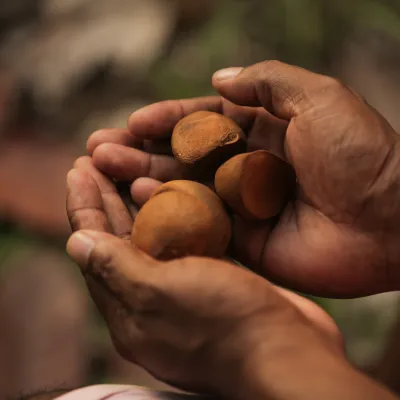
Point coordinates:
[[291, 360], [257, 344]]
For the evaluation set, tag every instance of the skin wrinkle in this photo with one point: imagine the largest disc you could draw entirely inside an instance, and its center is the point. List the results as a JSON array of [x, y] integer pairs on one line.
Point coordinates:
[[102, 274], [347, 215], [125, 306], [75, 219], [271, 94], [150, 165], [110, 195], [263, 249], [84, 208], [263, 92], [286, 96], [125, 234], [366, 202], [384, 165]]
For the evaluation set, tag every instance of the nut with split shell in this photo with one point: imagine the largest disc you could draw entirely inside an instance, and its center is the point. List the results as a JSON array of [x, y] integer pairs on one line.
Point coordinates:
[[255, 185], [204, 140]]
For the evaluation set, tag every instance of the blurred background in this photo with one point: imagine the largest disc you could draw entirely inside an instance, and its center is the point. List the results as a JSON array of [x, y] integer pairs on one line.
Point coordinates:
[[69, 67]]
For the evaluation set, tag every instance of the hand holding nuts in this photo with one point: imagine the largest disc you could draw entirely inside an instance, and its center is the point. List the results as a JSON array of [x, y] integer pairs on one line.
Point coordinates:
[[185, 218]]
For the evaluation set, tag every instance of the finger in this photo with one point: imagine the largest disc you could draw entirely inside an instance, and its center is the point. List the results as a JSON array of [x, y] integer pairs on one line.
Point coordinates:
[[116, 312], [127, 164], [114, 135], [162, 146], [117, 213], [142, 189], [117, 265], [284, 90], [124, 190], [158, 120], [84, 203], [264, 130]]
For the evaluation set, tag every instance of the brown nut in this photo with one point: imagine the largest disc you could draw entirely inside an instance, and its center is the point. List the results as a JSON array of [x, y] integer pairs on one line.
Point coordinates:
[[255, 185], [204, 140], [182, 218], [222, 230]]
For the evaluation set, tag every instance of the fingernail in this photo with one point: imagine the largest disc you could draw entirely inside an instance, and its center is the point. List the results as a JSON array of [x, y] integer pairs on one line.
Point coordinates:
[[79, 248], [227, 73]]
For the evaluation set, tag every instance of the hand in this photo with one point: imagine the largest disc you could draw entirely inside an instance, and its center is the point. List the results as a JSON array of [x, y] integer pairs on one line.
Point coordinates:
[[340, 235], [200, 324]]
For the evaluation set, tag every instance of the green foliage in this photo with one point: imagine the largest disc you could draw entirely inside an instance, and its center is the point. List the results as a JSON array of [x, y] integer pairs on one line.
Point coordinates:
[[308, 33]]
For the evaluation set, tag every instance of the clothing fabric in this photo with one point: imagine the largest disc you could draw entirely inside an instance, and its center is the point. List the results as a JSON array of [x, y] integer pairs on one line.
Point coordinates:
[[124, 392]]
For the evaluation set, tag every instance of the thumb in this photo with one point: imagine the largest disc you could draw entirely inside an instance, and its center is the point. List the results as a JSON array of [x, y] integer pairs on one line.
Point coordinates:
[[284, 90], [110, 261]]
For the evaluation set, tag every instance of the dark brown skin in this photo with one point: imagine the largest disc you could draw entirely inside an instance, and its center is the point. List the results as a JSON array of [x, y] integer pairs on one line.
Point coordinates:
[[340, 234], [256, 185], [208, 325], [204, 140], [200, 324]]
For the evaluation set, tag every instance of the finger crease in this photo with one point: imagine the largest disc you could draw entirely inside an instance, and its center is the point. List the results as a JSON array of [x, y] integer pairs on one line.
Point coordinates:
[[150, 165], [85, 208]]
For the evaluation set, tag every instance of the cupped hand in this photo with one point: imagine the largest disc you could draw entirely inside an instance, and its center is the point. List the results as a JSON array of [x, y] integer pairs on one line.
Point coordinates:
[[339, 235], [193, 322], [200, 324]]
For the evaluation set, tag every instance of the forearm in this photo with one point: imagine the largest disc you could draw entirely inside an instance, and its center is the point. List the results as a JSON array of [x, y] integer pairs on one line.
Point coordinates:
[[285, 357], [311, 376], [303, 370]]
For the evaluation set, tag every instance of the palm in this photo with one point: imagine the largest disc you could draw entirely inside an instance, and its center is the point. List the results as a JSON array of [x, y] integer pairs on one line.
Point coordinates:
[[317, 242], [330, 238]]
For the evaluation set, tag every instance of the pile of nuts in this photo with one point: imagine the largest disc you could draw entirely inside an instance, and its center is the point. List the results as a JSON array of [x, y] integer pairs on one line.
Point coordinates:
[[185, 217]]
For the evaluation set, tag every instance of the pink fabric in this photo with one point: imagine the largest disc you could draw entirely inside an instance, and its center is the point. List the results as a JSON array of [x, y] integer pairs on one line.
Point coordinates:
[[97, 392], [122, 392]]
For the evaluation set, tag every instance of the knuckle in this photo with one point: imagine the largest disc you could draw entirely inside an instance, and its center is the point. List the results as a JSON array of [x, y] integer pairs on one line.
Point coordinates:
[[271, 64], [263, 70], [101, 264], [74, 221]]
